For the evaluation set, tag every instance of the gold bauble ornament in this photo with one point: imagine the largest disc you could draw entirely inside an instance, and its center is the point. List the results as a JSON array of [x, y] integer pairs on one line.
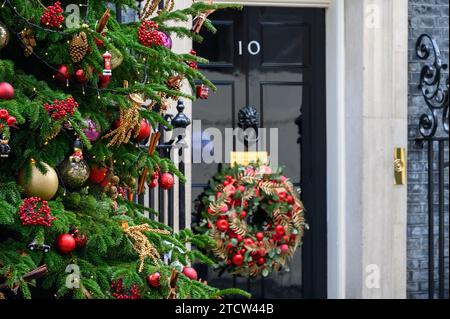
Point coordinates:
[[4, 36], [116, 59], [40, 185]]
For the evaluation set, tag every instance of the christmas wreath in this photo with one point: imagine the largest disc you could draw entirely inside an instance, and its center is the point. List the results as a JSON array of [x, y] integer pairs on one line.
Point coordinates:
[[254, 216]]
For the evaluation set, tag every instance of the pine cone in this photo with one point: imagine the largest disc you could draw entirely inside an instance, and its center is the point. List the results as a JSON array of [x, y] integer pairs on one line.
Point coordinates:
[[78, 47], [174, 82], [28, 40]]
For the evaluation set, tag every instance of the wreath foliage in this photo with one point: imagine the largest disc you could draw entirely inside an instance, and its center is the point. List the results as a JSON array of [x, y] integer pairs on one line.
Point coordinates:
[[255, 218]]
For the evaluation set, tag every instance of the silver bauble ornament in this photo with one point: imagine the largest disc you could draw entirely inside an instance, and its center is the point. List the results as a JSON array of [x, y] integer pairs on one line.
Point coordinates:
[[40, 185], [4, 36], [74, 173]]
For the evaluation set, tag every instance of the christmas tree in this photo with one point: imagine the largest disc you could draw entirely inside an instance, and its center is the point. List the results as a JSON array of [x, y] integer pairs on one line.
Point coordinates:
[[80, 98]]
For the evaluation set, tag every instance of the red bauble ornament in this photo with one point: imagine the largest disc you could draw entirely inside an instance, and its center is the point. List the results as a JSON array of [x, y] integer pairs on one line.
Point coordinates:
[[81, 241], [238, 260], [97, 174], [53, 16], [284, 248], [144, 130], [166, 181], [190, 272], [153, 183], [154, 280], [65, 243], [261, 261], [80, 76], [63, 74], [243, 214], [6, 91], [11, 120], [149, 35], [222, 225]]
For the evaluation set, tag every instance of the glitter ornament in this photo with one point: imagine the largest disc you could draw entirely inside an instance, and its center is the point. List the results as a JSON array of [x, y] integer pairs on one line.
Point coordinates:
[[91, 131]]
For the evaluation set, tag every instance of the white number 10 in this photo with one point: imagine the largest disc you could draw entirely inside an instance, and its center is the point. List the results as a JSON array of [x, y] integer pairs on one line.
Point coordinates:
[[253, 47]]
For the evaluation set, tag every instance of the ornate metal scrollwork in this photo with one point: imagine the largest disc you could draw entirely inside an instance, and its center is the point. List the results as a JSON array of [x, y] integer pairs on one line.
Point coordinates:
[[431, 85]]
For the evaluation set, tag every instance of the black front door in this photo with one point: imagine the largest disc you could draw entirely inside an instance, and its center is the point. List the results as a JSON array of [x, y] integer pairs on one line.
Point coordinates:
[[274, 60]]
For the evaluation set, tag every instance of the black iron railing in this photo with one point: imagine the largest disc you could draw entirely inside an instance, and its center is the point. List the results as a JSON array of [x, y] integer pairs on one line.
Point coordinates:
[[434, 134]]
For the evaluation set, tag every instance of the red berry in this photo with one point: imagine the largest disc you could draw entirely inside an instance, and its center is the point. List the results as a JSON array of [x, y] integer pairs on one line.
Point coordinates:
[[279, 229], [238, 260], [222, 225], [259, 236], [284, 248], [261, 261], [224, 208], [262, 252], [210, 211], [290, 200], [4, 114], [239, 238], [248, 242], [282, 196], [243, 214]]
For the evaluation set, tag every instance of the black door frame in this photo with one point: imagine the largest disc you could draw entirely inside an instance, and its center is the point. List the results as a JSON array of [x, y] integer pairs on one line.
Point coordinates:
[[314, 182]]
